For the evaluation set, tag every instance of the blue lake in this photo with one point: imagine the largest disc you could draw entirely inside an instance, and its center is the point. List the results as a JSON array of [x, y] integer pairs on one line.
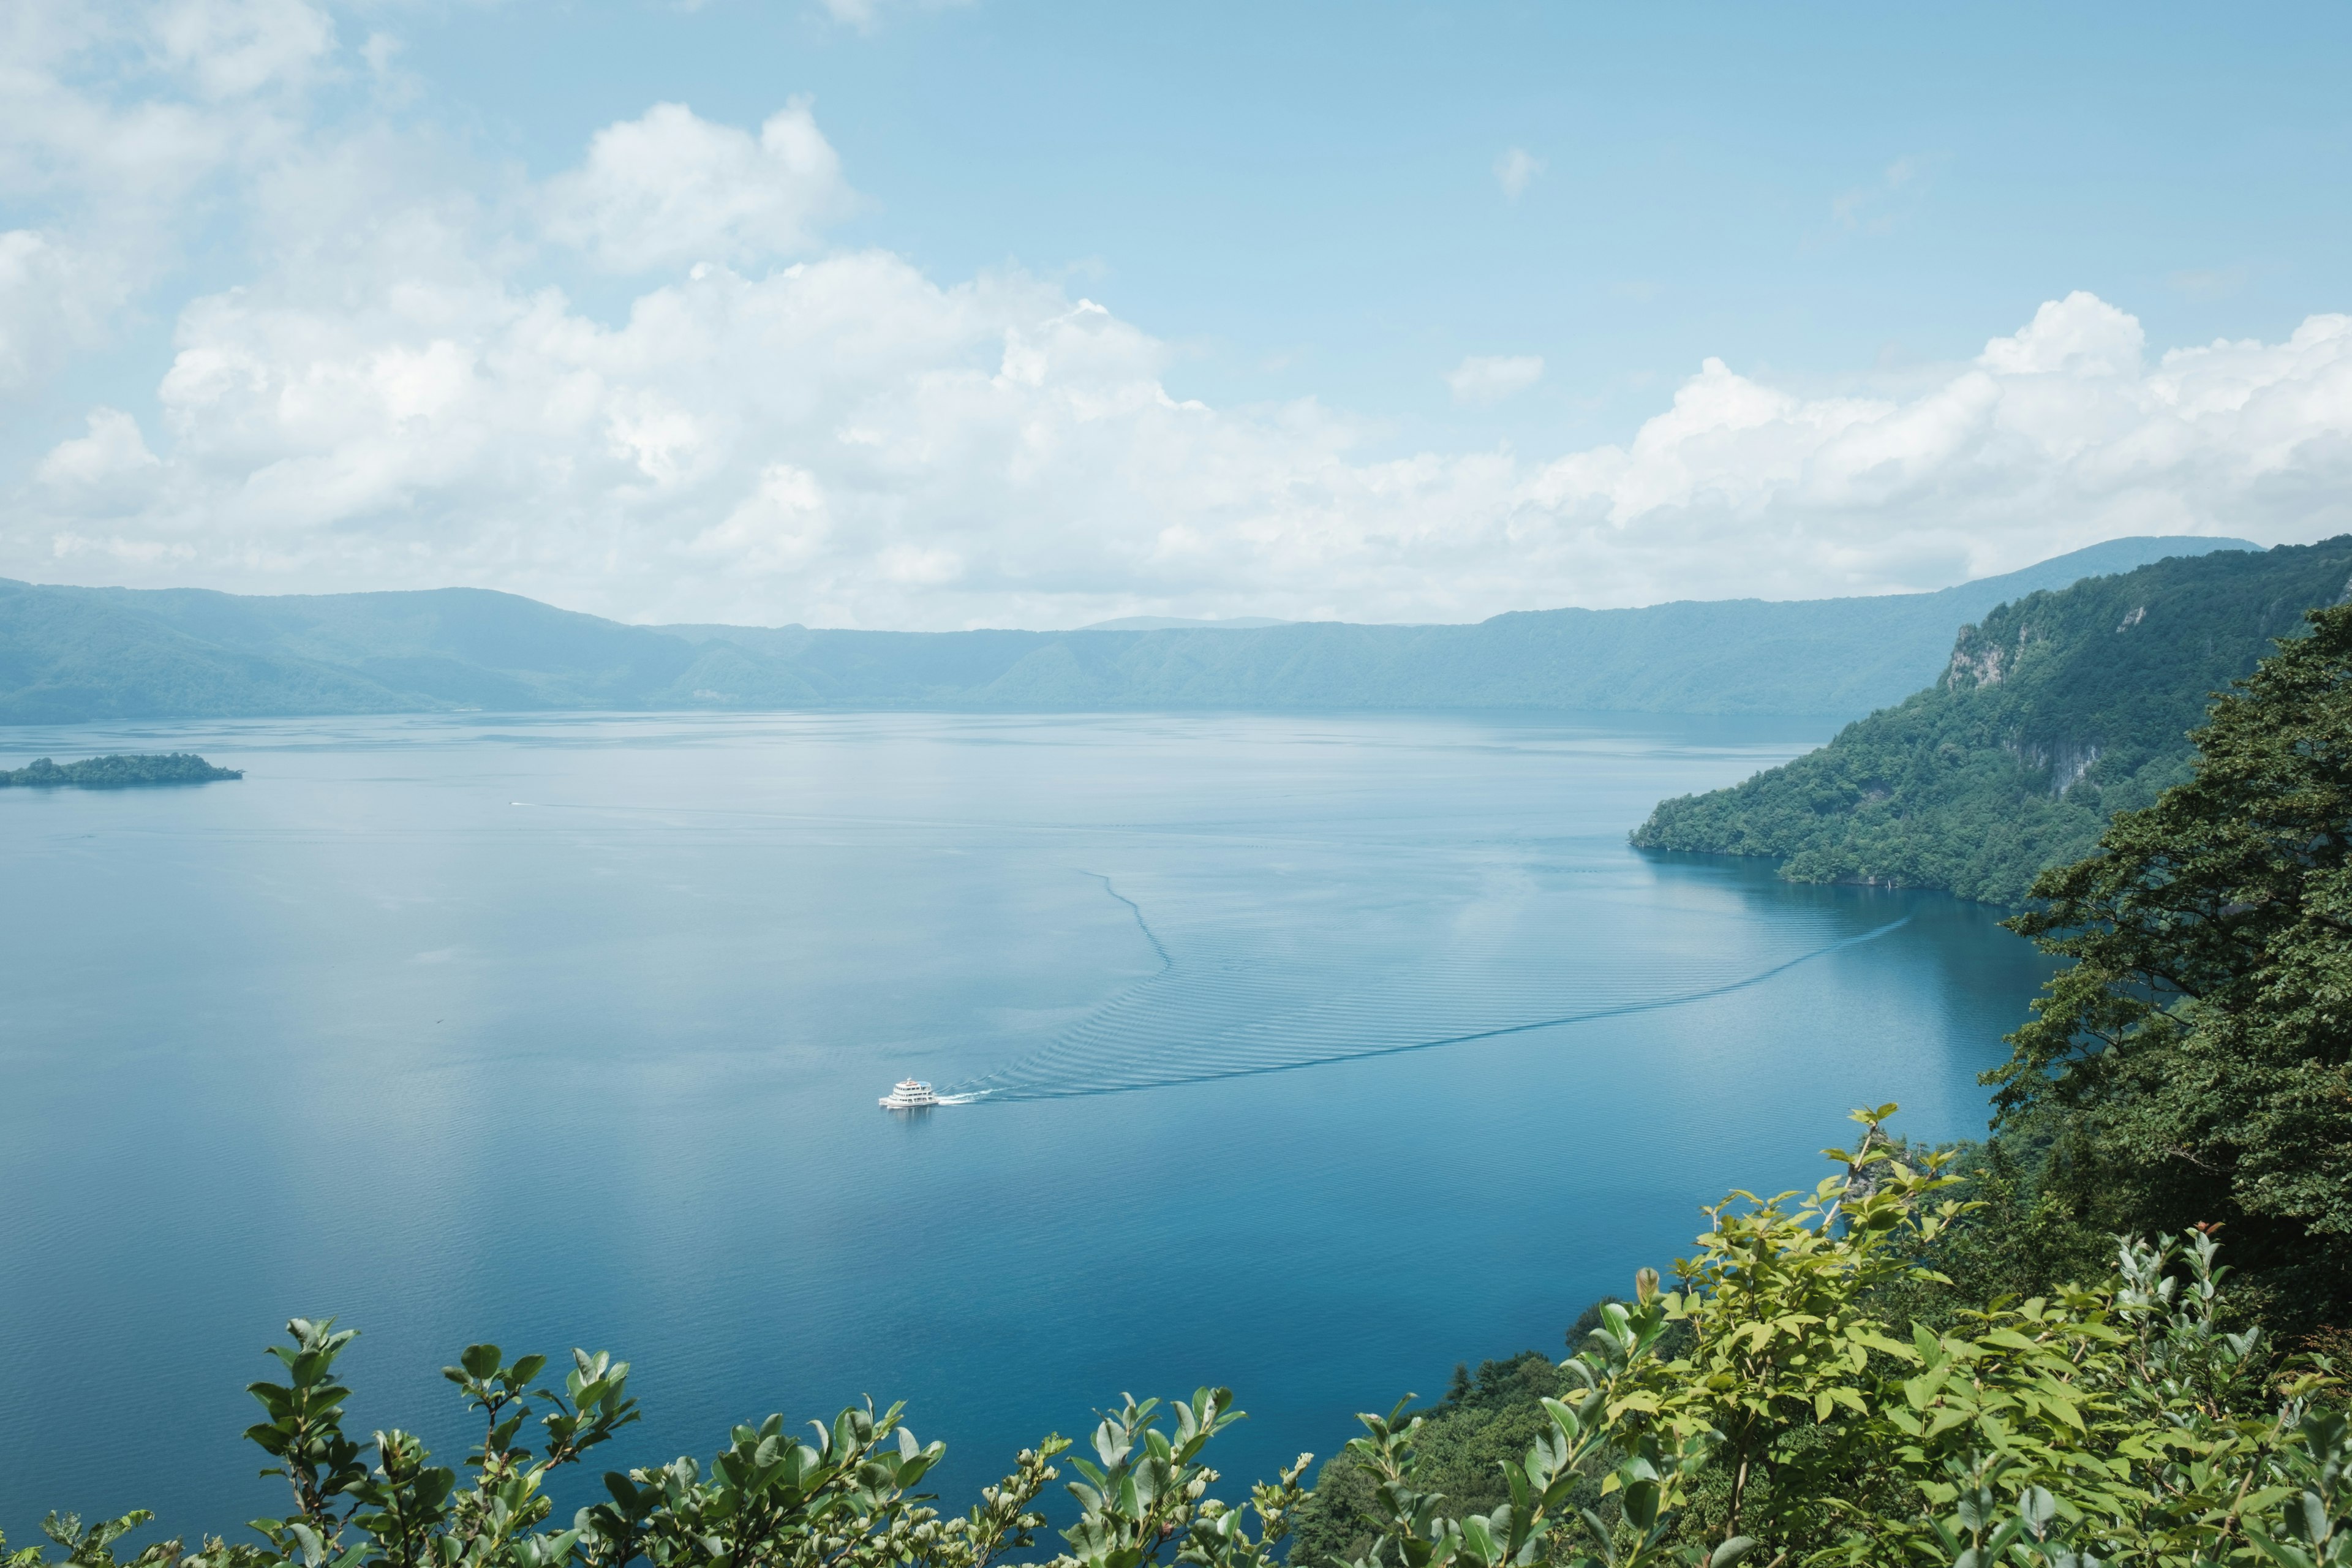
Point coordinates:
[[1308, 1055]]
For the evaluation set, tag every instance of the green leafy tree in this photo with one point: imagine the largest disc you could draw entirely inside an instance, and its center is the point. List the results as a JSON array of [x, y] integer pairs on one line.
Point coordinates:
[[1146, 1492], [2194, 1063], [92, 1546], [2125, 1422], [1485, 1419]]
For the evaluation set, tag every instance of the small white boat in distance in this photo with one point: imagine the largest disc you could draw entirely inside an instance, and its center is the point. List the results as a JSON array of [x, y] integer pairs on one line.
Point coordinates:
[[911, 1094]]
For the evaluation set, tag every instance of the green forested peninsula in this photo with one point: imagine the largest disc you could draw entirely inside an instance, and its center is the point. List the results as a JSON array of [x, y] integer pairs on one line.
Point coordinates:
[[73, 655], [2058, 710], [2040, 1353], [122, 772]]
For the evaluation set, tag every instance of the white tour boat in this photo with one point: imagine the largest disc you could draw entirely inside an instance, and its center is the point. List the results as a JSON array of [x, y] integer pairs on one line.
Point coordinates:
[[912, 1094]]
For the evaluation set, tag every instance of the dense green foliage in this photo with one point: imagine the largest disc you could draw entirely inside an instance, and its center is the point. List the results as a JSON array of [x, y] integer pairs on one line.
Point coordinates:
[[117, 771], [2194, 1064], [2058, 710], [1485, 1422], [73, 653], [767, 1500], [1767, 1407]]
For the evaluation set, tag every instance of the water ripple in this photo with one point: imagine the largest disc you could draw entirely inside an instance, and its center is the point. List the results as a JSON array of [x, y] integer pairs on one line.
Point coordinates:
[[1230, 1001]]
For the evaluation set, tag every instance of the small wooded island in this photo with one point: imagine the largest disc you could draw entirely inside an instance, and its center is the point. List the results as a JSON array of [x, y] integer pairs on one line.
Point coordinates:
[[117, 772]]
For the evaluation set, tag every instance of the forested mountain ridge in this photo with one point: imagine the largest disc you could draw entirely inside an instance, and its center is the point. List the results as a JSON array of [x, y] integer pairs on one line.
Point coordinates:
[[72, 655], [1743, 655], [2053, 713]]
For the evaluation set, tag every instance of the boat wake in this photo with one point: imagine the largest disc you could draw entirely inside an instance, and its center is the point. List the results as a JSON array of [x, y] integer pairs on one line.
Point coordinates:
[[1243, 996]]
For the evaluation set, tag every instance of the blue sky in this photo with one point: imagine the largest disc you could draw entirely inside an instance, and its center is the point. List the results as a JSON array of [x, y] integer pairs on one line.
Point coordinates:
[[1304, 197], [1412, 274]]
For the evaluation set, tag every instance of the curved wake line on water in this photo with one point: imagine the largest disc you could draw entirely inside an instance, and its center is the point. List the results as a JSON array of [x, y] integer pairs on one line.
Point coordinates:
[[980, 1091], [1166, 962]]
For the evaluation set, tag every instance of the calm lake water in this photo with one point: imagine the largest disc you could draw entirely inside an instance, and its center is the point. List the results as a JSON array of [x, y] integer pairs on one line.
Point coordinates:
[[1308, 1055]]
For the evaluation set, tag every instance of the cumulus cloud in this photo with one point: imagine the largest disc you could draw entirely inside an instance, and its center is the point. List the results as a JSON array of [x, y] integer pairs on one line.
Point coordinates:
[[53, 302], [769, 431], [115, 174], [1489, 378], [2080, 333], [113, 450], [671, 188], [1515, 170], [2054, 435], [847, 441], [233, 47]]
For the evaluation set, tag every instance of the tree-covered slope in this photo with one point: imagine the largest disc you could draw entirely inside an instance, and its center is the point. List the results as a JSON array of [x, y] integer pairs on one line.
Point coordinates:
[[2057, 712], [70, 655], [117, 771], [76, 653]]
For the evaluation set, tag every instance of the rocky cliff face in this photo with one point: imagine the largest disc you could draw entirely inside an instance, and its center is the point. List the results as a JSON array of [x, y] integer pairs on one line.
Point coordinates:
[[2066, 762], [1982, 655]]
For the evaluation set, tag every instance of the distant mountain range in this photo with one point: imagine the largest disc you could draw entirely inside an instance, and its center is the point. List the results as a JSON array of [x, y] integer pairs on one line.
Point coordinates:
[[72, 655], [1179, 624], [2058, 710]]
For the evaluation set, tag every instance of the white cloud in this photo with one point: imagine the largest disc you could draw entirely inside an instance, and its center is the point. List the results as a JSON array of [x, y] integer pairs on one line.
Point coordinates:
[[670, 188], [781, 524], [114, 121], [232, 48], [53, 302], [113, 450], [846, 441], [380, 51], [398, 398], [1489, 378], [1515, 170], [1875, 208], [2080, 333], [2051, 439]]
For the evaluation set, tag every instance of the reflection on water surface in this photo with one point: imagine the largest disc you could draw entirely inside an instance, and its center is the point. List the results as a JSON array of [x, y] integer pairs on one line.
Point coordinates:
[[566, 1030]]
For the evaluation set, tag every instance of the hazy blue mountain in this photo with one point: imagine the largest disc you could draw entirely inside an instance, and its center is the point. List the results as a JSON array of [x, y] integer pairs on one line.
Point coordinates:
[[1745, 655], [1181, 623], [2058, 710], [69, 655]]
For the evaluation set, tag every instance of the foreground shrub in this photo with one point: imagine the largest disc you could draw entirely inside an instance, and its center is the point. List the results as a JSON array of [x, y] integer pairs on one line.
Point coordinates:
[[1762, 1408], [770, 1499]]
